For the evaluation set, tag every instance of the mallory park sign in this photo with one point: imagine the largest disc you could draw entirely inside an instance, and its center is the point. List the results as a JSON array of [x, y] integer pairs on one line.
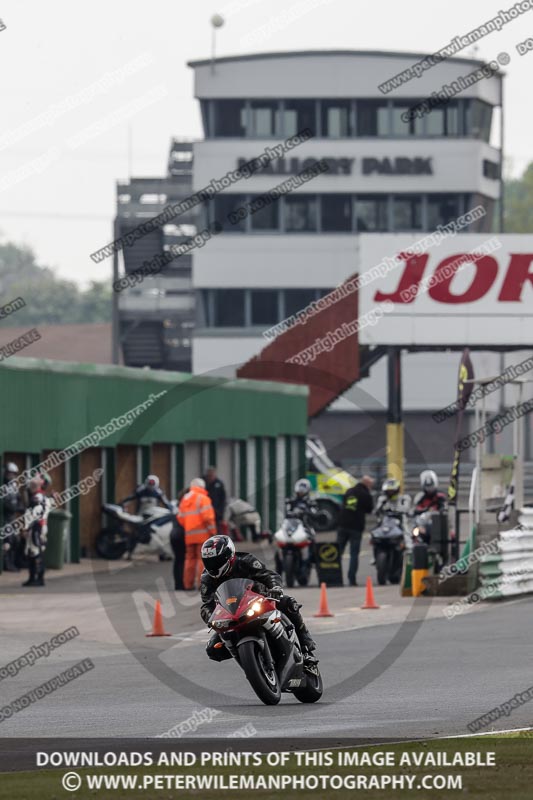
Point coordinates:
[[345, 166]]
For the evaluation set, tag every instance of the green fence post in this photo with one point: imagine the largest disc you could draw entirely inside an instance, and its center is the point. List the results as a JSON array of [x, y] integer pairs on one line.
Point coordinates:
[[259, 477], [288, 466], [243, 469], [110, 474], [180, 468], [272, 483], [301, 457], [212, 453], [146, 460], [74, 477]]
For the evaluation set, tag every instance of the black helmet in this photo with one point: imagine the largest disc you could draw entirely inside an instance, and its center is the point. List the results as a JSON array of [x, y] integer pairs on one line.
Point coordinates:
[[218, 555]]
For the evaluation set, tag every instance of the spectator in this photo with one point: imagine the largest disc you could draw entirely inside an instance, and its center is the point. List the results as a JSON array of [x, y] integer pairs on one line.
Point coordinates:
[[357, 503], [36, 531], [217, 492], [177, 543], [12, 507], [197, 516]]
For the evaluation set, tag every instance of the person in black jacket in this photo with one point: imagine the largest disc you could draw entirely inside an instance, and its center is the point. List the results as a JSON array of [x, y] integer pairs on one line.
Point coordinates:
[[357, 503], [148, 491], [12, 507], [221, 563], [177, 543], [217, 494]]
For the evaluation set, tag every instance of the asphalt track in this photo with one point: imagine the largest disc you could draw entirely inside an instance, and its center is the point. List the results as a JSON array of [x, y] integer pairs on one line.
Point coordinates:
[[416, 677]]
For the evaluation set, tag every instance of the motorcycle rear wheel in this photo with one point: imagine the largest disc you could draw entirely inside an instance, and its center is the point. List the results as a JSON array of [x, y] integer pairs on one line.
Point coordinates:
[[313, 689], [111, 544], [264, 683]]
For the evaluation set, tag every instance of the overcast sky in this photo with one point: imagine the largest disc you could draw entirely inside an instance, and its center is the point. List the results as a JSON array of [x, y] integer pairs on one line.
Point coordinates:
[[57, 183]]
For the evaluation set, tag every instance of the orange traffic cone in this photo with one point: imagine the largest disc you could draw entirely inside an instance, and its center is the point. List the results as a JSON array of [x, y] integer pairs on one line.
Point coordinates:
[[323, 608], [369, 599], [158, 628]]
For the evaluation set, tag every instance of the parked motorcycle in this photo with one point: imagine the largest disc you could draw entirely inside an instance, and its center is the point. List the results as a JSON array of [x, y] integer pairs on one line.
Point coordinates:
[[421, 530], [147, 532], [295, 544], [389, 543], [264, 643], [243, 517]]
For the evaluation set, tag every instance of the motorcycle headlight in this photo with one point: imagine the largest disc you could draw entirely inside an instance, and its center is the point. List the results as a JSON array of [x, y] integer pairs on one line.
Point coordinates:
[[255, 608], [221, 623]]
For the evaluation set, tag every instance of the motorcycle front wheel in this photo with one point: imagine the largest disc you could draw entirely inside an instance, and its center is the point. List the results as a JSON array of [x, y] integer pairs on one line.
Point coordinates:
[[313, 689], [289, 568], [382, 566], [263, 681], [111, 544], [395, 572]]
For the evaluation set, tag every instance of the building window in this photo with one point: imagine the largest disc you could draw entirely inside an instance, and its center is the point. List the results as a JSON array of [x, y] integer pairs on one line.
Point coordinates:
[[228, 308], [265, 218], [442, 208], [299, 115], [336, 212], [453, 118], [371, 213], [229, 117], [300, 213], [413, 127], [372, 118], [226, 204], [407, 214], [264, 118], [336, 118], [297, 299], [491, 170], [264, 306], [436, 122], [478, 119]]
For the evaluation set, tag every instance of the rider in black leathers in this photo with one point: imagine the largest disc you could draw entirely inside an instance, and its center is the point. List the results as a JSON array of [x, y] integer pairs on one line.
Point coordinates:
[[149, 490], [246, 565]]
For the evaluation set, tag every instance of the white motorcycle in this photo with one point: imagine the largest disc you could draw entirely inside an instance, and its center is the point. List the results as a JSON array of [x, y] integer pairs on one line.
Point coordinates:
[[295, 551], [147, 532]]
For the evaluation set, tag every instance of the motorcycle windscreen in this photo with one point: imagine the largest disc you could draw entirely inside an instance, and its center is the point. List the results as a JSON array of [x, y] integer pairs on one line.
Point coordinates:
[[291, 525], [388, 529], [230, 593]]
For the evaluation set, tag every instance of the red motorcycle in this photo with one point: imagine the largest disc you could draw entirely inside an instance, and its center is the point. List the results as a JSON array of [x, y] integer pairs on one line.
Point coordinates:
[[263, 642]]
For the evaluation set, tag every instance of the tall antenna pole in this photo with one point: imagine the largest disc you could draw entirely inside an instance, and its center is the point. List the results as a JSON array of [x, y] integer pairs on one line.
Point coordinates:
[[216, 22]]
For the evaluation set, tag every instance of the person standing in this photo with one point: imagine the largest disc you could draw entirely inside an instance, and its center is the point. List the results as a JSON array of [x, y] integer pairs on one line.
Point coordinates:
[[36, 530], [196, 515], [357, 503], [177, 543], [217, 492], [12, 506]]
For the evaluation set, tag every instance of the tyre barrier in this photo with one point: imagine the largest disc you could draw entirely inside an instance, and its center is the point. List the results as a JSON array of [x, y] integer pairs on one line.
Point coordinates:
[[509, 571]]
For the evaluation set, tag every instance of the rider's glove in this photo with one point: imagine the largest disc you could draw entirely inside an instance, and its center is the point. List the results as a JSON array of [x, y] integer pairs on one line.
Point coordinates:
[[276, 592]]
